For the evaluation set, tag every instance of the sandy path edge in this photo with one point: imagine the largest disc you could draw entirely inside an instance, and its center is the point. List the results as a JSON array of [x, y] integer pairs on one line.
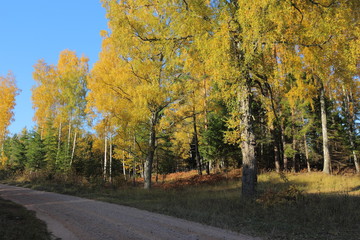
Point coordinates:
[[74, 218]]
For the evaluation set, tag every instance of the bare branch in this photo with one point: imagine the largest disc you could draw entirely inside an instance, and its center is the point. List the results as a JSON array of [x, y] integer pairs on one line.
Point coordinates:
[[304, 44], [296, 7], [186, 5], [322, 5]]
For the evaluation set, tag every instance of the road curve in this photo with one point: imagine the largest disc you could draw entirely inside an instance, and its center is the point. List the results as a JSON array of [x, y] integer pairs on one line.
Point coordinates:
[[74, 218]]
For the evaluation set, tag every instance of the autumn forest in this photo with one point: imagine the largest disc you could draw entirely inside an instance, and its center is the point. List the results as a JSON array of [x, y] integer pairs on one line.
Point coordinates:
[[210, 85]]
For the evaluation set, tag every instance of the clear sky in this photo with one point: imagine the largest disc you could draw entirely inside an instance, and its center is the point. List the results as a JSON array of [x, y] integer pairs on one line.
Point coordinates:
[[41, 29]]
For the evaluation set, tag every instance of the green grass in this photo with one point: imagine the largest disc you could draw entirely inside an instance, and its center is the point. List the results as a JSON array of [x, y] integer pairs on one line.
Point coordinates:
[[17, 223], [291, 206]]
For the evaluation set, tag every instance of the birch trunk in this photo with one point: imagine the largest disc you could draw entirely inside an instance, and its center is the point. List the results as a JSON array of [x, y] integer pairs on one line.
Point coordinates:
[[69, 140], [326, 152], [306, 148], [123, 165], [110, 160], [73, 149], [357, 164], [105, 159]]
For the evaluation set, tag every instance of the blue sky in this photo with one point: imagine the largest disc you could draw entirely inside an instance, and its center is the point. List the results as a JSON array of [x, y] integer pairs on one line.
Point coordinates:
[[41, 29]]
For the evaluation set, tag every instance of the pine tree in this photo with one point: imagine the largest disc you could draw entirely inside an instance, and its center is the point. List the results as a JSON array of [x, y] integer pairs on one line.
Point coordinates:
[[35, 153]]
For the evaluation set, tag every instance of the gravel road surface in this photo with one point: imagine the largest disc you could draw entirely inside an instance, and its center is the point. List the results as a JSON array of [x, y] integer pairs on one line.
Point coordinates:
[[73, 218]]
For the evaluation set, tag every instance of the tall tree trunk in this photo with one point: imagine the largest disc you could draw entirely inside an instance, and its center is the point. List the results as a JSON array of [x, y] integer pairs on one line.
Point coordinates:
[[275, 135], [306, 148], [151, 151], [283, 145], [196, 144], [249, 168], [326, 152], [351, 121], [307, 154], [294, 142], [123, 165], [356, 161], [276, 156], [157, 170], [206, 123], [105, 159], [110, 159], [69, 140], [73, 150]]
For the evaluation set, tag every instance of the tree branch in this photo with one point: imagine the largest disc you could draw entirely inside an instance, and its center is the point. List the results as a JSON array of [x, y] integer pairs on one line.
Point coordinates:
[[322, 5], [305, 45]]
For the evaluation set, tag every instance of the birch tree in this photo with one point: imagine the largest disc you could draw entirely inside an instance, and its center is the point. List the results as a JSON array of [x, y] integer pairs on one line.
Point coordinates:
[[8, 92], [59, 97]]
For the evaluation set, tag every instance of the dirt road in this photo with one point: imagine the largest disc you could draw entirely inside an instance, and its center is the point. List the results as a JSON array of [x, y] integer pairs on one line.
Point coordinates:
[[73, 218]]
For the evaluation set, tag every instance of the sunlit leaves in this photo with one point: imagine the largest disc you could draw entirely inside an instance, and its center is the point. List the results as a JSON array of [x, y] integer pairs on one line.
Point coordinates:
[[59, 93], [8, 92]]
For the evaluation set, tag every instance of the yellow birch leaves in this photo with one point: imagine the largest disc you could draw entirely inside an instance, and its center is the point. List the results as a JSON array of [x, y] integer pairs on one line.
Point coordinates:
[[8, 92]]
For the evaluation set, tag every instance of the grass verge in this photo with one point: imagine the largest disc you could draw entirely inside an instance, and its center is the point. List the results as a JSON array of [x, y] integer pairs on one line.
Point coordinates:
[[18, 223], [289, 206]]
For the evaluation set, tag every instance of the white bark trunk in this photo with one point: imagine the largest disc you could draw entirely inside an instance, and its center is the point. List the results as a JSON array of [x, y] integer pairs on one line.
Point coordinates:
[[123, 165], [110, 160], [69, 139], [326, 152], [105, 159], [73, 149]]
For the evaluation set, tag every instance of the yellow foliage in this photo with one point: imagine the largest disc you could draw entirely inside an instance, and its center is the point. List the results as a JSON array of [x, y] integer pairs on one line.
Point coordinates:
[[60, 90], [8, 92]]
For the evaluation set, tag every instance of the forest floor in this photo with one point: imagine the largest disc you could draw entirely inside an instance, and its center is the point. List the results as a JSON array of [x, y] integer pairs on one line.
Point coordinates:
[[288, 206]]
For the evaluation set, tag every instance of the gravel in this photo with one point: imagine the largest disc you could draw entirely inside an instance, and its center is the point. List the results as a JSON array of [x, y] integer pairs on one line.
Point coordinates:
[[74, 218]]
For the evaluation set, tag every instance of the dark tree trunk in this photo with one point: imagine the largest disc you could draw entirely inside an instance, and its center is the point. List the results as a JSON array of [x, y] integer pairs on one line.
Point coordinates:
[[208, 167], [249, 168], [293, 169], [283, 145], [244, 81], [151, 151], [196, 145], [276, 156], [307, 154], [351, 120]]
